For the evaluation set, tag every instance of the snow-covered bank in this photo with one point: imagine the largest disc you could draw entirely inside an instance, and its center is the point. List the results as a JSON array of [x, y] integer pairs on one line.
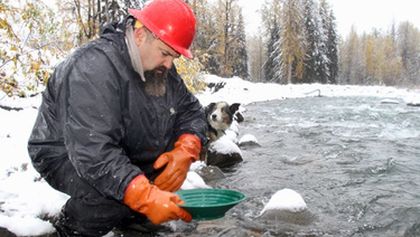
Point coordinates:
[[245, 92], [24, 199]]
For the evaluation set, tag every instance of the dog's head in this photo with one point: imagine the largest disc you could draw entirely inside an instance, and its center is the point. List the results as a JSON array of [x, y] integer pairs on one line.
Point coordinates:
[[220, 115], [219, 118]]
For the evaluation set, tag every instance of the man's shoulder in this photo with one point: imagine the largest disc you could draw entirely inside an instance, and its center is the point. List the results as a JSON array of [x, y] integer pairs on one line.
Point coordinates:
[[109, 44], [110, 50]]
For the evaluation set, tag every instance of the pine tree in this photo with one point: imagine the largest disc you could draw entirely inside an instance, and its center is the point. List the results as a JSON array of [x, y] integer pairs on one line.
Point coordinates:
[[292, 41], [240, 56], [272, 65], [409, 48], [316, 61], [331, 47]]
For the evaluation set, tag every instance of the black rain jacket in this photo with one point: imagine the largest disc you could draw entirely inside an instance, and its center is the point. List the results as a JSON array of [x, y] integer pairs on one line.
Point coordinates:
[[96, 113]]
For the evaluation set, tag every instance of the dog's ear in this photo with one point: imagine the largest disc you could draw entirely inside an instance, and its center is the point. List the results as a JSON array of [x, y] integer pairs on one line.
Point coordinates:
[[234, 107], [238, 117], [209, 107]]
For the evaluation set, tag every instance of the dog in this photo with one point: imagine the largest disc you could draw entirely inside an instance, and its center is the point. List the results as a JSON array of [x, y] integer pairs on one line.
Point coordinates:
[[220, 116]]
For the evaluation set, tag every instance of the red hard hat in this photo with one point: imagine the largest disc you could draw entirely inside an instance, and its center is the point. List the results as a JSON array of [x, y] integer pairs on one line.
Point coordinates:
[[172, 21]]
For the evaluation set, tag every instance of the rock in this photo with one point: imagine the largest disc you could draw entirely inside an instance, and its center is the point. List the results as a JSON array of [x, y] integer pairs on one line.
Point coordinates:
[[415, 104], [6, 233], [223, 160], [223, 153], [389, 101], [413, 100], [248, 140], [285, 199], [210, 173], [288, 206], [304, 217]]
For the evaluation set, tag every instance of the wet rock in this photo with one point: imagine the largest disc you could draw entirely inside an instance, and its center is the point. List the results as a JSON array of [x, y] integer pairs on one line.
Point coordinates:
[[223, 160], [299, 218], [210, 173], [415, 104], [234, 231], [226, 228], [413, 100], [6, 233], [142, 230], [389, 101], [181, 226], [248, 140]]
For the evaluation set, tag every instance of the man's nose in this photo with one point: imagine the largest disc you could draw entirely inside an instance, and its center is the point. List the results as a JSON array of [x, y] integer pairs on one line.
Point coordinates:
[[167, 63]]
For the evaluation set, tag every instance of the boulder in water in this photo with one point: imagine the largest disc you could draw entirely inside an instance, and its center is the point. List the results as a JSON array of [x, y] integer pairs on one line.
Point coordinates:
[[210, 173], [287, 205], [248, 140], [285, 199], [223, 153]]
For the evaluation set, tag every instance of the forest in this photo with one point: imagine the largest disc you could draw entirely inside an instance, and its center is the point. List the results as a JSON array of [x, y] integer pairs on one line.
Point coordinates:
[[297, 43]]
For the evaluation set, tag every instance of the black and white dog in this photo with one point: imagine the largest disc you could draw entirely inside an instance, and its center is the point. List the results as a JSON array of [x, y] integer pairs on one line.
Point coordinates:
[[219, 117]]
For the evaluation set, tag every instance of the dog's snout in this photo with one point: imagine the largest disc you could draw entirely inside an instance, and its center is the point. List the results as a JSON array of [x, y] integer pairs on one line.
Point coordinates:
[[214, 116]]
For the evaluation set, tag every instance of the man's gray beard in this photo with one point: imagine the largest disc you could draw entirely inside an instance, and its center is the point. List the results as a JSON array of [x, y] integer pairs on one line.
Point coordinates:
[[155, 84]]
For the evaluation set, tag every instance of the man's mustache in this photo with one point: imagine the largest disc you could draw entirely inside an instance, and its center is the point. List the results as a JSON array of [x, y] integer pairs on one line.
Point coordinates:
[[157, 73]]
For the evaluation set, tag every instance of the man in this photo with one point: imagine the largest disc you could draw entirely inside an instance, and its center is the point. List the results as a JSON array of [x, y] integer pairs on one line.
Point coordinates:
[[114, 115]]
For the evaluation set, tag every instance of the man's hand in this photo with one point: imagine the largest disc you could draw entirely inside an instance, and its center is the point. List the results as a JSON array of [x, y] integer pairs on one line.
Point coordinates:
[[177, 162], [159, 206]]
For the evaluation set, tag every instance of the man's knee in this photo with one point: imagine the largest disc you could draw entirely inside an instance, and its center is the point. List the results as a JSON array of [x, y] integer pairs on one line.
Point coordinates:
[[92, 217]]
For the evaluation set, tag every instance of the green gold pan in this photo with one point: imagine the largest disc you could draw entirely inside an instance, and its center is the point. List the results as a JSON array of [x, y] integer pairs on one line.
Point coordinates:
[[209, 204]]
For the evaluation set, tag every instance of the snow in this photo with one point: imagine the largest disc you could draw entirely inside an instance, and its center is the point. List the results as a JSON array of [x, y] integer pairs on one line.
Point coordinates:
[[193, 181], [413, 99], [248, 138], [285, 199], [25, 198], [224, 145]]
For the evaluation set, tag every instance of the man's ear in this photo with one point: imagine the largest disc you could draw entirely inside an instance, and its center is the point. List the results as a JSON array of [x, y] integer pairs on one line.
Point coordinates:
[[139, 36]]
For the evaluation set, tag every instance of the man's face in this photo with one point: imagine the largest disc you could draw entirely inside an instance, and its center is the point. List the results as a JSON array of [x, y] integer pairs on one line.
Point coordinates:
[[155, 54]]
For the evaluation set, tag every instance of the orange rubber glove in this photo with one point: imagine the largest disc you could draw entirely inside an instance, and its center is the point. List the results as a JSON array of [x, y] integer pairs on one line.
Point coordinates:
[[159, 206], [178, 161]]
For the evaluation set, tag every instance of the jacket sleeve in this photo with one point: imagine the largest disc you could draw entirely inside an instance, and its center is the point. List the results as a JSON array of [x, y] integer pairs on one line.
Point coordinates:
[[94, 127], [190, 117]]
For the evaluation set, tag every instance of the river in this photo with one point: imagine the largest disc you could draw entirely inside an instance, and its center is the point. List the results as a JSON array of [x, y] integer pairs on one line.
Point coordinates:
[[354, 160]]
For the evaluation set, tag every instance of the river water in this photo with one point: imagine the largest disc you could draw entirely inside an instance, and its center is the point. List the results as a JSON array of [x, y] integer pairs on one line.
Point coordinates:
[[354, 160]]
